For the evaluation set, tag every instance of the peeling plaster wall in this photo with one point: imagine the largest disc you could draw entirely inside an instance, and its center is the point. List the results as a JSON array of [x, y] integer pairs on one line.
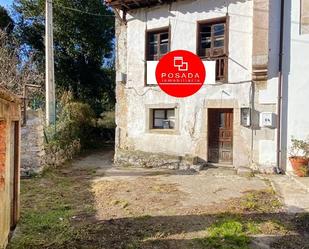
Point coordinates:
[[191, 138], [121, 95]]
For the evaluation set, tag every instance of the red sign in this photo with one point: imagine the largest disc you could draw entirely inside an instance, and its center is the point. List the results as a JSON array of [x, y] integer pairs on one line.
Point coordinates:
[[180, 73]]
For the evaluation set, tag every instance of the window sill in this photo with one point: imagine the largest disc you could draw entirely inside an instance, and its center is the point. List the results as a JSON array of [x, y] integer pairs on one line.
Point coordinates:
[[151, 85], [164, 131]]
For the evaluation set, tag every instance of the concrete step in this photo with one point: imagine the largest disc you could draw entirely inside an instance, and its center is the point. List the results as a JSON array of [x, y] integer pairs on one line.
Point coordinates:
[[197, 167], [220, 165], [244, 171]]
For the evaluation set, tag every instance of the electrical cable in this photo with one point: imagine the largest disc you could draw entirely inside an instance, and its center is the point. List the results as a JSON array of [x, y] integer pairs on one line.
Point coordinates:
[[80, 11]]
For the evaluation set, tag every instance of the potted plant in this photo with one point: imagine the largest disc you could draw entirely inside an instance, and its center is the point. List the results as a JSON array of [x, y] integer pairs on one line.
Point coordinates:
[[299, 156], [302, 171]]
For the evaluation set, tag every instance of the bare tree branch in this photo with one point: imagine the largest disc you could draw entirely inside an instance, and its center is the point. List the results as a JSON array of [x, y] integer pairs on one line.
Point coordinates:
[[14, 71]]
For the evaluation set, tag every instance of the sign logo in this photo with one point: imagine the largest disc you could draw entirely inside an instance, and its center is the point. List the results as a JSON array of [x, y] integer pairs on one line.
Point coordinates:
[[180, 73], [178, 62]]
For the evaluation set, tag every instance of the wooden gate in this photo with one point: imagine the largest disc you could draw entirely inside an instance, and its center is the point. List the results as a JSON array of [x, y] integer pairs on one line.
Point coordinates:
[[220, 136]]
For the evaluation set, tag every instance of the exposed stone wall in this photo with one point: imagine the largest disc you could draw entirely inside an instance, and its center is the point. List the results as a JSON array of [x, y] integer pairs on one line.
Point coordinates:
[[156, 160], [56, 156], [121, 93], [36, 154], [32, 144]]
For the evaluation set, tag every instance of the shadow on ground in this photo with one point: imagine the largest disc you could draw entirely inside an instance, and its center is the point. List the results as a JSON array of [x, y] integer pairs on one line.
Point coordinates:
[[61, 210]]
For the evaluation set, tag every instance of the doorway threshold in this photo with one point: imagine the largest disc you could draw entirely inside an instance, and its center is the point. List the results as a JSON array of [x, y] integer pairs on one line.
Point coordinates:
[[220, 165]]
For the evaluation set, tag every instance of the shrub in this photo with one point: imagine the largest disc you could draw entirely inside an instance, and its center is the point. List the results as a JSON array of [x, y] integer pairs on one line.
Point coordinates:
[[74, 123], [107, 120], [77, 128], [299, 148], [70, 134]]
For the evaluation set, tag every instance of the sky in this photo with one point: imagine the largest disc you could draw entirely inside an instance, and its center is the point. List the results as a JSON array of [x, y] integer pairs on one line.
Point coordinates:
[[6, 3]]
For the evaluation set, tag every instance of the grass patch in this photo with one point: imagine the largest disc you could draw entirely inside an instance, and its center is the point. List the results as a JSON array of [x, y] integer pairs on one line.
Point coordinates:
[[232, 231], [50, 228], [259, 201], [227, 233], [48, 205]]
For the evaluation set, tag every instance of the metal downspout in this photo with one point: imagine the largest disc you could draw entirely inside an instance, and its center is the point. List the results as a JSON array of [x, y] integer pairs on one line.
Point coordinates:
[[280, 79]]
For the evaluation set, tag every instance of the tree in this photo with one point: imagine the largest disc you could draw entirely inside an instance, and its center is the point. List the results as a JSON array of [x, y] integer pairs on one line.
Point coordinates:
[[83, 43], [14, 71], [6, 22], [14, 74]]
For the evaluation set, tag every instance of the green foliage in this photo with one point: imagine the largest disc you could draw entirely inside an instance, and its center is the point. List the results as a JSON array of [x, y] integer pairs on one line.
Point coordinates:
[[83, 46], [227, 233], [107, 120], [75, 122], [299, 148], [77, 113], [77, 128], [47, 211], [235, 232], [260, 201]]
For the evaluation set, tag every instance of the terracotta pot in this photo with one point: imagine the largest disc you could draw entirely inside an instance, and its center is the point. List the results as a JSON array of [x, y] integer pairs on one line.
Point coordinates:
[[299, 165]]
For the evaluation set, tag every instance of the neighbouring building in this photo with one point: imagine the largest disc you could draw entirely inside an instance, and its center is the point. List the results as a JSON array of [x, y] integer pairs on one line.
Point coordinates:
[[236, 120], [9, 163], [295, 79]]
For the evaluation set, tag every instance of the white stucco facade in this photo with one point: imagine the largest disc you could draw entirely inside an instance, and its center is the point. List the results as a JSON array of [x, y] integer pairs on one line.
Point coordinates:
[[253, 146], [296, 80]]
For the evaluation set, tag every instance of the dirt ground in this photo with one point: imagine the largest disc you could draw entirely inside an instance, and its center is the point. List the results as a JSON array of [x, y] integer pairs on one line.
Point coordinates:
[[91, 204]]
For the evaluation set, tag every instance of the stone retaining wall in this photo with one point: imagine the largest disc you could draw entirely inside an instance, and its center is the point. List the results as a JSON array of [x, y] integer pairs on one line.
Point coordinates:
[[32, 144], [155, 160], [35, 153], [56, 156]]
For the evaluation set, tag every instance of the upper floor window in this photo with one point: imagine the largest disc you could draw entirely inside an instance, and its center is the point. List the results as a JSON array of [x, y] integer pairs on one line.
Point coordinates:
[[304, 17], [212, 44], [157, 44]]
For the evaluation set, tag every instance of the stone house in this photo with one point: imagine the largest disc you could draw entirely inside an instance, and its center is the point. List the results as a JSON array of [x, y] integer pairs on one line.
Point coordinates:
[[9, 163], [234, 121]]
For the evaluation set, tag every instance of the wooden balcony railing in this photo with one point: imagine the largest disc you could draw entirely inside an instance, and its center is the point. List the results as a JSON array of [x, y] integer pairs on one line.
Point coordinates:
[[221, 67]]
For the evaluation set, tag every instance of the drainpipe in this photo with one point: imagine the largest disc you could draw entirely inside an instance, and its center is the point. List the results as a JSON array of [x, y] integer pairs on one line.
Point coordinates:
[[280, 80]]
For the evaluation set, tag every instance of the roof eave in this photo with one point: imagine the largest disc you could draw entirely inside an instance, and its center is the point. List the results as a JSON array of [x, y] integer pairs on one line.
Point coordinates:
[[135, 4]]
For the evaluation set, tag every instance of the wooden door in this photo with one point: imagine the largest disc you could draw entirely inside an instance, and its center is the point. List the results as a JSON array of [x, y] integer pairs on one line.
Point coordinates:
[[14, 172], [220, 136]]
